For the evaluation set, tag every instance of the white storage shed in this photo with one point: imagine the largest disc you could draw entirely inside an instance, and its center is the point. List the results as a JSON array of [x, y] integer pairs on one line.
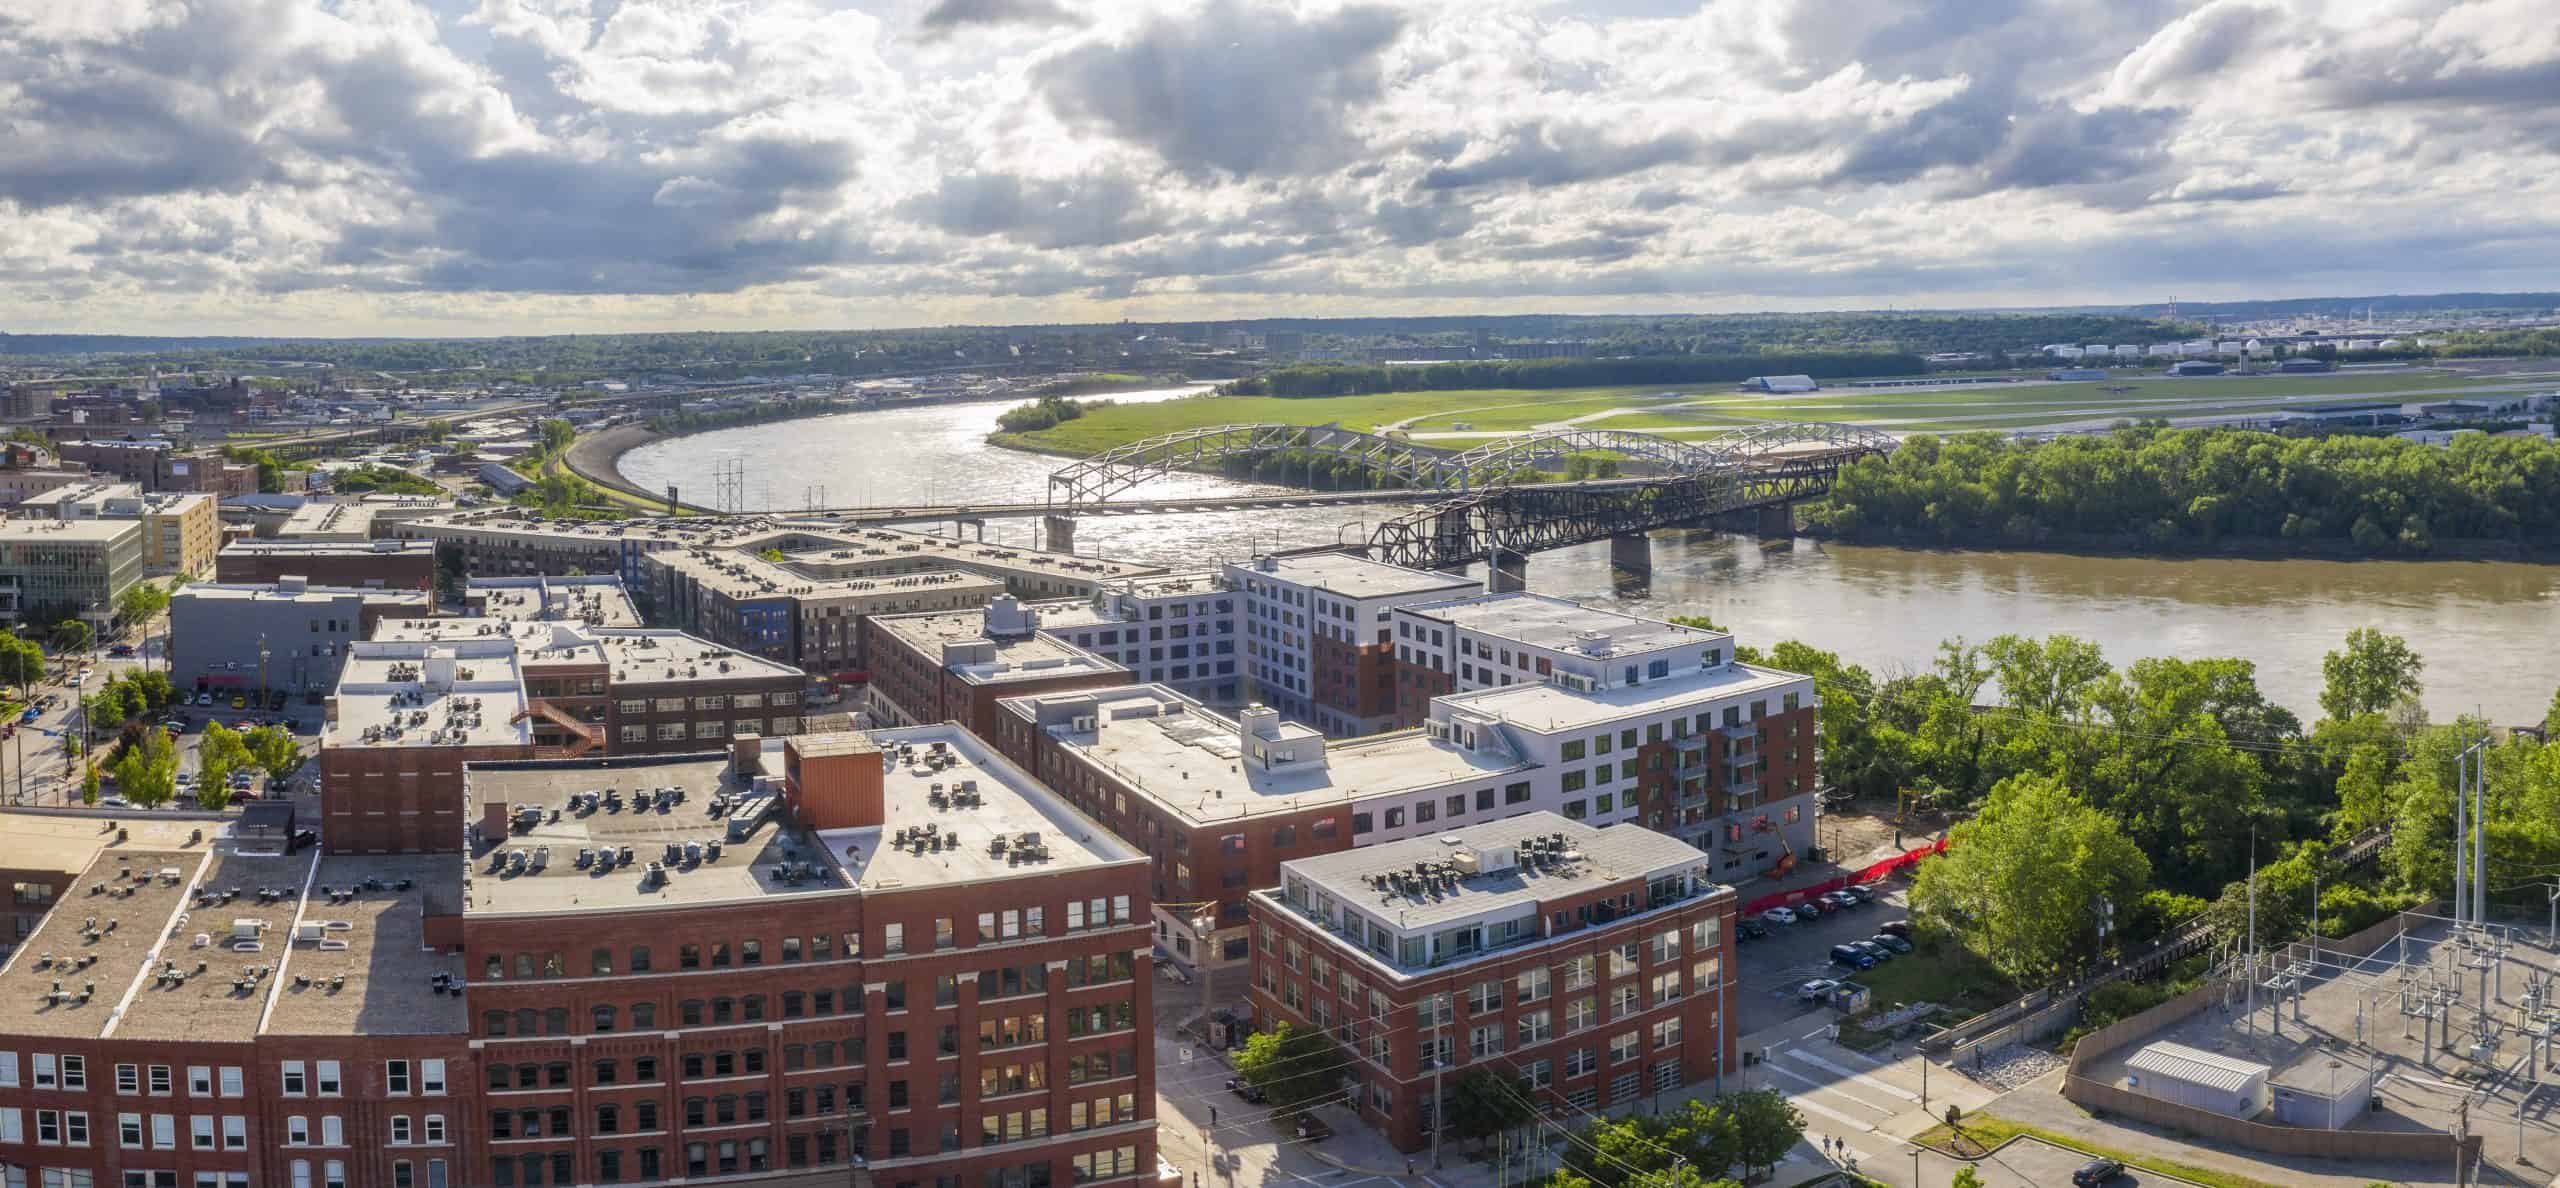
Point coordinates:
[[2195, 1077]]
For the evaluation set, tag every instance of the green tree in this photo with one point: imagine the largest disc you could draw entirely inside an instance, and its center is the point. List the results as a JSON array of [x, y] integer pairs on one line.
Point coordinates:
[[1293, 1068], [557, 434], [1485, 1103], [72, 635], [21, 662], [2020, 884], [141, 602], [221, 752], [275, 750], [2371, 674], [1966, 1177], [147, 774], [89, 784], [1765, 1127]]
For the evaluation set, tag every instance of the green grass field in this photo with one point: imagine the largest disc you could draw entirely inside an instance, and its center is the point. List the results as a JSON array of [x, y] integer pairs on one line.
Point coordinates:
[[1685, 412]]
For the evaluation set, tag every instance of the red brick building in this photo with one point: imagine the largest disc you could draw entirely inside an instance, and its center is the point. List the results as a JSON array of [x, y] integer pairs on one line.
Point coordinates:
[[1589, 963], [396, 564], [762, 992], [954, 666]]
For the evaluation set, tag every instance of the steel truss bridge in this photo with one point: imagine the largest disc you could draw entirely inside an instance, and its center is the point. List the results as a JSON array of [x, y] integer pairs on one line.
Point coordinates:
[[1486, 514]]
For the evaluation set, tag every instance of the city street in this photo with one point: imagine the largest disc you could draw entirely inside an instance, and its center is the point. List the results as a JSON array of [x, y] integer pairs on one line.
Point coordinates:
[[36, 771]]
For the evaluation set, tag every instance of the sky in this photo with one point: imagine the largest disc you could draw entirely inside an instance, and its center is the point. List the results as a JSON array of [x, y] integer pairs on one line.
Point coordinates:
[[468, 167]]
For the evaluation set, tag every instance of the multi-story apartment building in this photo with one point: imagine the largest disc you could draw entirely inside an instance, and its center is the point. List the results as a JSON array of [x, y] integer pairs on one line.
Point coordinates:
[[157, 464], [1586, 964], [55, 568], [1315, 629], [953, 666], [627, 690], [815, 624], [1219, 803], [392, 564], [1641, 721], [288, 637], [1667, 732], [181, 530], [596, 599], [799, 986], [406, 715], [1177, 630]]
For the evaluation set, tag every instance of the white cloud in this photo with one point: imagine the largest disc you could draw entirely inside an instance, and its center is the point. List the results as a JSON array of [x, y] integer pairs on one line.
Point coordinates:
[[422, 166]]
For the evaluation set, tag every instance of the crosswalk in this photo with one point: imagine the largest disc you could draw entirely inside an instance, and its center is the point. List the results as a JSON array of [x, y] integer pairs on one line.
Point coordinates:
[[1838, 1100]]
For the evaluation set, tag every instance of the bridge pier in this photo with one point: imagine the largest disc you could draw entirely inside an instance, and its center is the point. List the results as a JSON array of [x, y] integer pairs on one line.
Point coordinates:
[[1631, 554], [1506, 572], [1058, 533], [960, 526]]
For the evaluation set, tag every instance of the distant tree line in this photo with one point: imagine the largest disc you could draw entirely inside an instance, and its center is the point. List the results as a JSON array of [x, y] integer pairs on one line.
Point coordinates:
[[754, 414], [2173, 488], [1348, 380]]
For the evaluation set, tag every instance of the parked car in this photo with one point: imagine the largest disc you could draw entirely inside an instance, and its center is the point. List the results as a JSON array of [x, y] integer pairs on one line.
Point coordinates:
[[1852, 956], [1872, 949], [275, 701], [1809, 909], [1887, 940], [115, 802], [1860, 892], [121, 650], [29, 714], [1244, 1089], [1839, 901], [1900, 928], [1751, 930], [2097, 1172], [239, 701], [1816, 990], [1778, 915], [204, 699]]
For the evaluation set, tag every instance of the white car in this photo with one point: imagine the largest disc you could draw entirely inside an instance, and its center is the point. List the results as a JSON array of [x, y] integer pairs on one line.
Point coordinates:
[[204, 699], [1778, 915]]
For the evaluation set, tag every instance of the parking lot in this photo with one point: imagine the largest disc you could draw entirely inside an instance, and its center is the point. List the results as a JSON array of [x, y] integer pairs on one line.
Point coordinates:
[[1776, 966], [36, 772]]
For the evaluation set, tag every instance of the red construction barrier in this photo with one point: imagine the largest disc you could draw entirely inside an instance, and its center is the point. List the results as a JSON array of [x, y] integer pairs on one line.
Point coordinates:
[[1878, 871]]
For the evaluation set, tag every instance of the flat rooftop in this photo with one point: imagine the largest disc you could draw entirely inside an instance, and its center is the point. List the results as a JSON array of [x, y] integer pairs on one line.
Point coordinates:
[[656, 655], [284, 592], [1561, 625], [65, 845], [1189, 759], [65, 981], [760, 856], [1008, 805], [1591, 859], [245, 943], [395, 693], [1347, 575], [69, 531], [599, 600], [962, 641], [369, 967], [1548, 707], [328, 548], [745, 576], [335, 521]]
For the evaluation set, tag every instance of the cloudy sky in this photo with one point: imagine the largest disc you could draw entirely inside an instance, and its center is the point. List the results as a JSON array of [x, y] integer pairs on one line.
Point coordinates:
[[512, 166]]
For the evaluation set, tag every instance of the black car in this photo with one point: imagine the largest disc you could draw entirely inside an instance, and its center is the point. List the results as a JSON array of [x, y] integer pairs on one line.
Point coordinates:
[[1241, 1088], [1900, 928], [1752, 930], [2097, 1172]]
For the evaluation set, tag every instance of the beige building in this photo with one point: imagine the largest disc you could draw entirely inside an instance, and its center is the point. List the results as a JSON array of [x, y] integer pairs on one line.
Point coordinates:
[[181, 530]]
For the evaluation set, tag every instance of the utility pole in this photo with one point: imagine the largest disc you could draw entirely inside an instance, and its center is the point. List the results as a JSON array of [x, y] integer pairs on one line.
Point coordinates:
[[2480, 832], [2251, 963]]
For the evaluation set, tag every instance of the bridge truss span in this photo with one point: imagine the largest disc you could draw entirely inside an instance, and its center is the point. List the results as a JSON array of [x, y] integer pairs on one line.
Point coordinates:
[[1092, 481]]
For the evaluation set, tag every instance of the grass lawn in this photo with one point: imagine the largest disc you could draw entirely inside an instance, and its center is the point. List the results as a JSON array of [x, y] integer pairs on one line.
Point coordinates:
[[2006, 406], [1941, 973], [1990, 1131]]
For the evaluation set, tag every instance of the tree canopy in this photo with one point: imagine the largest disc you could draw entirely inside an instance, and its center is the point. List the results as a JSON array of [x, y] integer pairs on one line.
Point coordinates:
[[2021, 884], [2187, 488], [2371, 674], [1294, 1069]]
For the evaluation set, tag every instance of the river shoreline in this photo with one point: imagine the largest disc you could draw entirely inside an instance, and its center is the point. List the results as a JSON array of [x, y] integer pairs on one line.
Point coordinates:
[[2234, 548]]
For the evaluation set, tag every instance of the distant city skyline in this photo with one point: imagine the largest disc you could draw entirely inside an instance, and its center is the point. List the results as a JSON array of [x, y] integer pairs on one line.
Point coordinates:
[[477, 167]]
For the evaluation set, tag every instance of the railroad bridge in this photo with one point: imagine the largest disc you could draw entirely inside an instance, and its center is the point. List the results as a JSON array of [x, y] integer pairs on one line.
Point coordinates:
[[1493, 502]]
